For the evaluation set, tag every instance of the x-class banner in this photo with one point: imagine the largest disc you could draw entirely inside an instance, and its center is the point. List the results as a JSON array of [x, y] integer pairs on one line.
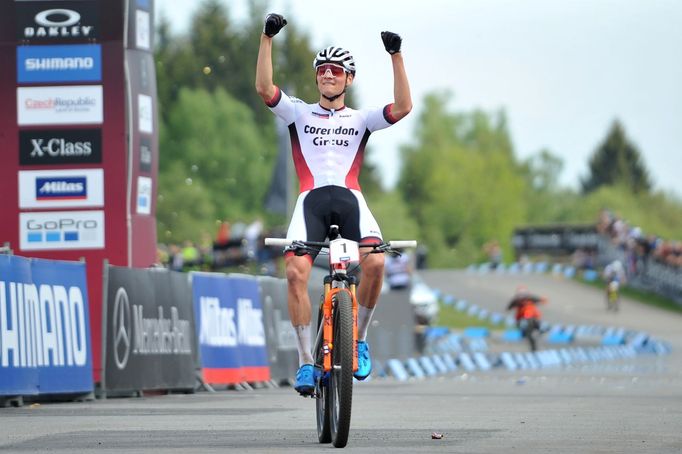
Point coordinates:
[[60, 146], [59, 105], [56, 230], [44, 327], [59, 63], [56, 21], [61, 188]]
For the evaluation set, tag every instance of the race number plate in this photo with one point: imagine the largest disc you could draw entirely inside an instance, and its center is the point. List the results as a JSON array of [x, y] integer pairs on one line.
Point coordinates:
[[343, 251]]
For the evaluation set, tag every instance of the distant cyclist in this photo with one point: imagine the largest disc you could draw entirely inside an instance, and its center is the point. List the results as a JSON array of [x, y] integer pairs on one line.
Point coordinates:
[[328, 141], [614, 276], [527, 314]]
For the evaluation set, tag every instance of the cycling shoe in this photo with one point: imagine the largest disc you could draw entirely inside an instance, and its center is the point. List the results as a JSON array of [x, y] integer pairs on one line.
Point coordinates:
[[364, 361], [305, 380]]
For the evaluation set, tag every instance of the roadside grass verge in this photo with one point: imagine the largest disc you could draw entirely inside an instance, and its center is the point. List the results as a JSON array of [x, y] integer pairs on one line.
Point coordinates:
[[641, 296]]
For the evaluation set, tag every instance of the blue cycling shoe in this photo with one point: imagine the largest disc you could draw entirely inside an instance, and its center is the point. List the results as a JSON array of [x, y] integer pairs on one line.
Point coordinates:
[[364, 361], [305, 380]]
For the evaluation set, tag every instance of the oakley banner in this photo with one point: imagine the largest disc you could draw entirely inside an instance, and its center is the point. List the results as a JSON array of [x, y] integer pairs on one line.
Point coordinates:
[[229, 319], [44, 329], [149, 329], [56, 21]]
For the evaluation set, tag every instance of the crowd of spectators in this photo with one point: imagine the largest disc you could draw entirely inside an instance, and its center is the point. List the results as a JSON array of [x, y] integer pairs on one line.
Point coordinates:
[[235, 246], [638, 246]]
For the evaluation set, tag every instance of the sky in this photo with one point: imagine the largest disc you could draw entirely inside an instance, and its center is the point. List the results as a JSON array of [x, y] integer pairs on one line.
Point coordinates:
[[562, 71]]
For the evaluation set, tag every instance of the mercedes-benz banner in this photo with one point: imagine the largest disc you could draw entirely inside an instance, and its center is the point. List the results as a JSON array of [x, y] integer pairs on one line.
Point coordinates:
[[44, 329], [229, 319], [149, 328]]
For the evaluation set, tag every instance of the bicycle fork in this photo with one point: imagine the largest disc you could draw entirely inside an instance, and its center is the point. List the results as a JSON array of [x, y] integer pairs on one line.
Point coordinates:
[[328, 325]]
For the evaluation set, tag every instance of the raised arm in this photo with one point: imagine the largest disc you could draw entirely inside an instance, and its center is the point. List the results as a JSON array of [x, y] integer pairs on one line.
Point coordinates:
[[264, 84], [401, 88]]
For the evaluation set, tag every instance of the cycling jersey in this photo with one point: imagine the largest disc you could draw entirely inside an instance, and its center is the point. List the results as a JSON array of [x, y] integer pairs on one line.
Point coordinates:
[[328, 148], [328, 145]]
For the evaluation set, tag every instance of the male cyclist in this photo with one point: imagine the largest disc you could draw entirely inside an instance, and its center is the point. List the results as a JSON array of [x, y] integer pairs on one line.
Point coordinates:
[[328, 141], [527, 314], [614, 275]]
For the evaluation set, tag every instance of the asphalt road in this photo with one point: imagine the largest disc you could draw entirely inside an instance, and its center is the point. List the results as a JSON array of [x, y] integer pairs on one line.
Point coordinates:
[[612, 407]]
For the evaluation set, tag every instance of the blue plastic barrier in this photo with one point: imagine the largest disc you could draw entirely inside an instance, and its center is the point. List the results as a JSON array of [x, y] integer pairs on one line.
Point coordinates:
[[512, 335], [476, 332], [396, 369], [467, 363], [413, 367]]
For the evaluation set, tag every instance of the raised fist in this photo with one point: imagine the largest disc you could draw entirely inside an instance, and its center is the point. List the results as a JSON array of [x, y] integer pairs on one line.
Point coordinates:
[[391, 41], [273, 24]]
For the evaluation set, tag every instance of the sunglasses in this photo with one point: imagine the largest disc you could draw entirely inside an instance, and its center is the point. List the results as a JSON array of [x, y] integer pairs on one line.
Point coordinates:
[[336, 70]]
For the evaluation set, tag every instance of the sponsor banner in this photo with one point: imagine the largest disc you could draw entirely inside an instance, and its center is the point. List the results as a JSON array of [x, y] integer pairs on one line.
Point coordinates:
[[61, 188], [59, 63], [44, 327], [229, 320], [61, 146], [149, 334], [53, 230], [59, 105], [42, 21], [144, 195], [145, 113], [555, 239], [145, 155], [279, 334], [142, 30]]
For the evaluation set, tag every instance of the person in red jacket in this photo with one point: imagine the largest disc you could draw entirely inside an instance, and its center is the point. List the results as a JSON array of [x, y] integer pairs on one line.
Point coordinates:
[[527, 314]]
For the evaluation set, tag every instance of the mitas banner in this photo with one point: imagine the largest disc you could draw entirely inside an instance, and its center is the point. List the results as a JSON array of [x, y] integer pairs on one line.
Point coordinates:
[[229, 318]]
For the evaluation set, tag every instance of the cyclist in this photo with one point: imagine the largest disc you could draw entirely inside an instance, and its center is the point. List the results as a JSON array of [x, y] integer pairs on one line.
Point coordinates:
[[614, 275], [527, 315], [328, 141]]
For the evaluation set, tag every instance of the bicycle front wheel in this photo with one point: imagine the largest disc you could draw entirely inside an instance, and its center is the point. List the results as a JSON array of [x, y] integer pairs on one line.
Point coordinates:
[[341, 380]]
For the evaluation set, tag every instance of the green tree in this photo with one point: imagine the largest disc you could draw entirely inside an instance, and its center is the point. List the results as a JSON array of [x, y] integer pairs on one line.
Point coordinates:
[[617, 161], [212, 141], [461, 182]]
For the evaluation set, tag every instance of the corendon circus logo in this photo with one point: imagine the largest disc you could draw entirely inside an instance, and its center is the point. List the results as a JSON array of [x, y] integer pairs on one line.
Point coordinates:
[[321, 141]]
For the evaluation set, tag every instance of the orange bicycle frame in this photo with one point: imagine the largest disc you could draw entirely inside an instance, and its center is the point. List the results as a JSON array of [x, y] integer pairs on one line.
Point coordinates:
[[328, 325]]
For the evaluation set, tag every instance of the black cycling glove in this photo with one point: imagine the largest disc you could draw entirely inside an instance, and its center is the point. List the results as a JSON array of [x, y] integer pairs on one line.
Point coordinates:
[[391, 41], [273, 24]]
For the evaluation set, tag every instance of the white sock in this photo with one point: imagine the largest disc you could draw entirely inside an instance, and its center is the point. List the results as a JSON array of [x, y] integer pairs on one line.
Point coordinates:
[[364, 317], [304, 351]]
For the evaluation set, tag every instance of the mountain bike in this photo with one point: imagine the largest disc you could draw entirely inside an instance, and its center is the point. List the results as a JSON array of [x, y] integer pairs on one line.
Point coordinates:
[[335, 350]]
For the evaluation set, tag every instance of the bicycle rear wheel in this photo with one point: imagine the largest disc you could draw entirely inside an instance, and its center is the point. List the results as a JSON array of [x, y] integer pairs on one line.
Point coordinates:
[[341, 379], [323, 394]]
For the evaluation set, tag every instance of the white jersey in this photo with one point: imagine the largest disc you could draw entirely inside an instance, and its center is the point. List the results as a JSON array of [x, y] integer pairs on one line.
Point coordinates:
[[328, 145]]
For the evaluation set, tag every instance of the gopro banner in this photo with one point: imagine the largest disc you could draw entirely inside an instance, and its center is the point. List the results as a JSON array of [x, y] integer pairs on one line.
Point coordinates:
[[149, 329], [44, 329], [229, 319]]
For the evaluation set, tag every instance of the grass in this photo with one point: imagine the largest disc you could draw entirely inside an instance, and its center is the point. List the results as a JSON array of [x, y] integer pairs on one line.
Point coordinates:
[[454, 319], [642, 296]]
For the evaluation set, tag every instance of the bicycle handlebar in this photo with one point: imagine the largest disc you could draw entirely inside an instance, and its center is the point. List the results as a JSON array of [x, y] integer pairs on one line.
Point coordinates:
[[283, 242]]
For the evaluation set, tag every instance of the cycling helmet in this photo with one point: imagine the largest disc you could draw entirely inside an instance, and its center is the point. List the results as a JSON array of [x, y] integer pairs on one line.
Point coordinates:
[[335, 55]]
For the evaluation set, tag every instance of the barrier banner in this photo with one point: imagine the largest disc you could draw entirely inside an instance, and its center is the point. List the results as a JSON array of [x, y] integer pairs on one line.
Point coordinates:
[[229, 318], [45, 343], [149, 330], [279, 334]]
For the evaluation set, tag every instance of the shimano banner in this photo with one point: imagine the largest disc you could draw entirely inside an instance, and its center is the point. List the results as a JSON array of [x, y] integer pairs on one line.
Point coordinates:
[[44, 328], [149, 330], [230, 329]]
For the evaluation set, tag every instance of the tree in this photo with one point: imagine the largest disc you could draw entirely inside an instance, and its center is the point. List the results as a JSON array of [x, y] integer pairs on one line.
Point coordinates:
[[617, 161], [461, 182]]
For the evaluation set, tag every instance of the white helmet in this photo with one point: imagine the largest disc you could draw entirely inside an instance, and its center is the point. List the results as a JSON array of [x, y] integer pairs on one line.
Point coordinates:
[[335, 55]]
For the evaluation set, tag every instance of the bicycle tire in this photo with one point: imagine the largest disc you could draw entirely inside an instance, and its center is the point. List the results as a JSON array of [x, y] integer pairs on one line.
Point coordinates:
[[323, 395], [341, 379]]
